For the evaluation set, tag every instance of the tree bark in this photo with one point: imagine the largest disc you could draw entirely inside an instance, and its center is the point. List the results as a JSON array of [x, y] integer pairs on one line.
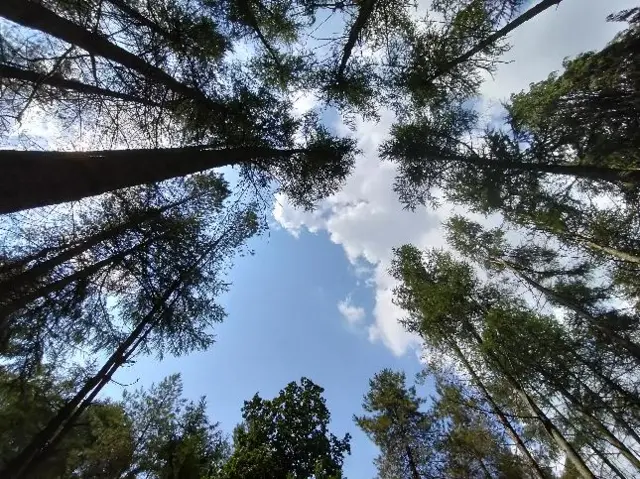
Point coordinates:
[[41, 445], [13, 306], [30, 179], [34, 15], [364, 14], [630, 346], [522, 447], [494, 37], [57, 81], [548, 425]]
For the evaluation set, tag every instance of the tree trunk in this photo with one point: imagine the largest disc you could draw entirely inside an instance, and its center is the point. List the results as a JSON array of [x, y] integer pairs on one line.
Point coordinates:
[[548, 425], [57, 81], [620, 421], [629, 397], [20, 302], [616, 253], [494, 37], [412, 463], [595, 449], [364, 14], [522, 447], [588, 172], [630, 346], [34, 273], [41, 445], [30, 179], [606, 433], [23, 463], [134, 14], [34, 15]]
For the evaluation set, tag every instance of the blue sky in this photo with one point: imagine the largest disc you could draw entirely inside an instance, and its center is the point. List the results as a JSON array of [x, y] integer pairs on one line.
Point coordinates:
[[284, 320], [283, 324]]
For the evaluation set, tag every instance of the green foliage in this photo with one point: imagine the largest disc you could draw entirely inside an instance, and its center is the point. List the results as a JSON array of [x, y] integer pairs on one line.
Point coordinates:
[[287, 436], [397, 426], [450, 435]]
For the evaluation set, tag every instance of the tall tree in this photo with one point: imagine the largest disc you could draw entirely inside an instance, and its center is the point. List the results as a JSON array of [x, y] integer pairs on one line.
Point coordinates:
[[535, 266], [447, 306], [62, 278], [211, 112], [395, 423], [170, 310], [534, 155]]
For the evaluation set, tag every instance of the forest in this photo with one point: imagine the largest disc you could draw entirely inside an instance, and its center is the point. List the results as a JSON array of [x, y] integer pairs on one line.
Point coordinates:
[[141, 146]]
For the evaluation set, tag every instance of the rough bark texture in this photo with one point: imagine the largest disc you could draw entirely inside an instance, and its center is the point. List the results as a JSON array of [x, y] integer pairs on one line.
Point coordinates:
[[38, 178]]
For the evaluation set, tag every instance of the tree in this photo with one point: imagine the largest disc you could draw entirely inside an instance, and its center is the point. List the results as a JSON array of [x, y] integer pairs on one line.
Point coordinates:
[[153, 433], [395, 423], [99, 446], [447, 305], [534, 156], [172, 437], [473, 445], [535, 265], [211, 114], [77, 281], [449, 435], [169, 309], [287, 437]]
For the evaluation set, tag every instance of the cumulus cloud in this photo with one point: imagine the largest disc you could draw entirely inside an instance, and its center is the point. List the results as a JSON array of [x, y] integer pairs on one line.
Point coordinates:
[[353, 314], [367, 219]]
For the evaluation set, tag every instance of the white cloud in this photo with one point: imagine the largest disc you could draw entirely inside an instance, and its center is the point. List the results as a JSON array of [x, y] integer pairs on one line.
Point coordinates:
[[367, 219], [353, 314]]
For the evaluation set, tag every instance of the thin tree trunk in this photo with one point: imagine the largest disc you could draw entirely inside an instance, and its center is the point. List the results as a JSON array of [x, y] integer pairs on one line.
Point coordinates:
[[15, 305], [548, 425], [34, 15], [605, 460], [134, 14], [412, 463], [588, 172], [34, 273], [30, 179], [595, 449], [619, 420], [616, 253], [522, 447], [253, 22], [604, 430], [24, 462], [57, 81], [631, 398], [11, 265], [40, 446], [364, 14], [630, 346], [494, 37], [487, 474]]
